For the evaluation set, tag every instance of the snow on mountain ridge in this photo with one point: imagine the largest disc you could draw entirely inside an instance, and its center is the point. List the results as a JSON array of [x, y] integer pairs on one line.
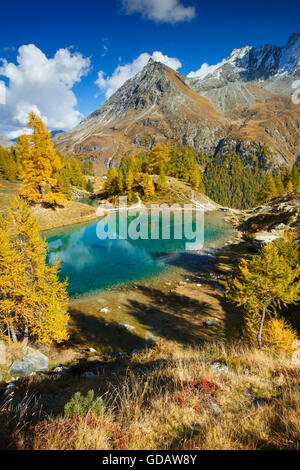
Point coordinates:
[[255, 63], [290, 58]]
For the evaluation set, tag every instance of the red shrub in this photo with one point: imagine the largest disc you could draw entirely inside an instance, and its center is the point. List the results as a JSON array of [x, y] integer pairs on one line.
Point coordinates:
[[120, 438], [293, 373], [204, 386]]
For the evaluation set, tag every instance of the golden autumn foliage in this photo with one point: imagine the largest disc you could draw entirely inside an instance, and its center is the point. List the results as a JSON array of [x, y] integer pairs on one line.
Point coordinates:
[[279, 336], [263, 285], [149, 189], [158, 159], [289, 186], [39, 162], [33, 302], [129, 180]]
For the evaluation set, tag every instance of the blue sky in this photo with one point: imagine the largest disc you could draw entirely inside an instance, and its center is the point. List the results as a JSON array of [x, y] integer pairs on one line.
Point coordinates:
[[102, 35]]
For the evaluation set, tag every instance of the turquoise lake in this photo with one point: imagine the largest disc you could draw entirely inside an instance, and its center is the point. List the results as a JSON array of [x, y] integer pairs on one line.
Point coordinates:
[[92, 264]]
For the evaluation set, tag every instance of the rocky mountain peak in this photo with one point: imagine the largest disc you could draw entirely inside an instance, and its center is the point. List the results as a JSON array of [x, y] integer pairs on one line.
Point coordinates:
[[290, 56], [293, 39], [238, 54], [155, 83]]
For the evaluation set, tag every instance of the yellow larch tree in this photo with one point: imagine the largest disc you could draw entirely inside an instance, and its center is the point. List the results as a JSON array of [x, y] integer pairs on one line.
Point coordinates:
[[129, 180], [149, 189], [33, 301], [158, 159], [289, 186], [39, 162]]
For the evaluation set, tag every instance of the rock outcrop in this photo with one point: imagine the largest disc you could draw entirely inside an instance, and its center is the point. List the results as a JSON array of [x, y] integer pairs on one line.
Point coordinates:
[[269, 221]]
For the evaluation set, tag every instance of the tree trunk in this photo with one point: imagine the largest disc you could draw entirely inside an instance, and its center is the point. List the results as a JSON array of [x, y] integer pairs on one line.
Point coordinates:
[[262, 319], [13, 334], [8, 332]]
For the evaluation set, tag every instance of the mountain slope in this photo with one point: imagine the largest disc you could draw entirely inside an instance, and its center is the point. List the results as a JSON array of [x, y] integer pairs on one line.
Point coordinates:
[[246, 97], [155, 104]]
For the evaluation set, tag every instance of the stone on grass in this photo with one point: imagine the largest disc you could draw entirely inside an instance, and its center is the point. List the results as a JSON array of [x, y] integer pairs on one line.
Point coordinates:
[[33, 361], [40, 361], [23, 368], [219, 368], [214, 408]]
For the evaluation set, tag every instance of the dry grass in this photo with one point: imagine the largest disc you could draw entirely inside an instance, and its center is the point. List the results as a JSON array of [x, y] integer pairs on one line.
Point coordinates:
[[73, 213], [163, 401]]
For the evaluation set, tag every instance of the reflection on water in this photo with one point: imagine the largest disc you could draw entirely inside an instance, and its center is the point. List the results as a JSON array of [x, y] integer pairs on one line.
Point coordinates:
[[92, 264]]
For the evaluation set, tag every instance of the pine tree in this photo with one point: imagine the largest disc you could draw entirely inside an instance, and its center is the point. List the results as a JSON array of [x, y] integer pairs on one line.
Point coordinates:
[[129, 180], [8, 164], [268, 190], [149, 189], [67, 187], [33, 302], [263, 284], [111, 184], [39, 161], [196, 178], [120, 182], [131, 163], [76, 176], [279, 185], [89, 186], [295, 177], [158, 159], [162, 185], [289, 186]]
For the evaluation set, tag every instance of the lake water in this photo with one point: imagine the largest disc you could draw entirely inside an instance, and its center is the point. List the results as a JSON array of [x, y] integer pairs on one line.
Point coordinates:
[[92, 264]]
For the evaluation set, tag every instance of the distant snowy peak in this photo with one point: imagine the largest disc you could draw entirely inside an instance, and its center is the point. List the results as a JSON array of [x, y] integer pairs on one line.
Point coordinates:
[[238, 54], [290, 57], [255, 63]]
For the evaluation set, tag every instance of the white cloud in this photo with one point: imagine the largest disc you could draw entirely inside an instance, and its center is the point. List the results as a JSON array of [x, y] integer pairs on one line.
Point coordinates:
[[2, 92], [206, 69], [165, 11], [42, 85], [123, 72], [15, 134]]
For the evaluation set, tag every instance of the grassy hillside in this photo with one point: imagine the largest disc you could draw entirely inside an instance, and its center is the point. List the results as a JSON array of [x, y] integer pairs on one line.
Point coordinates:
[[73, 213], [172, 397]]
